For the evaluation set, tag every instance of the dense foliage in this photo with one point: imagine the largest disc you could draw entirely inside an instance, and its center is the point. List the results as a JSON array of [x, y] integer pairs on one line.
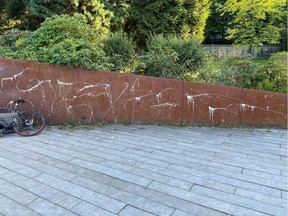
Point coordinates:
[[277, 76], [256, 22], [107, 35], [171, 57], [243, 71], [177, 17], [62, 40], [120, 50]]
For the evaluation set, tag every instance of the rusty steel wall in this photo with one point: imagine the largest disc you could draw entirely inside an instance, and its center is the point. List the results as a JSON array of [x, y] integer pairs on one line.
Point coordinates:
[[65, 94]]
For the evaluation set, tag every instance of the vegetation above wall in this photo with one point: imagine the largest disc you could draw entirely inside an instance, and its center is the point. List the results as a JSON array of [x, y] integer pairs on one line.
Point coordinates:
[[107, 35]]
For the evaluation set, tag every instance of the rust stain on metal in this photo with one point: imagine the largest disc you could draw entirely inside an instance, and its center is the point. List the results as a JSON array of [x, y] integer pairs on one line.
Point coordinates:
[[67, 94]]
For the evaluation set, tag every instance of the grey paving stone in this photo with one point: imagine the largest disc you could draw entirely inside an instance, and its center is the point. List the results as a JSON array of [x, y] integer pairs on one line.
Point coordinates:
[[139, 169], [16, 193], [261, 197], [181, 213], [247, 203], [151, 175], [242, 183], [34, 148], [20, 151], [46, 208], [190, 176], [112, 172], [3, 170], [265, 175], [73, 152], [166, 199], [6, 154], [41, 167], [12, 208], [168, 160], [278, 160], [78, 170], [82, 193], [17, 167], [131, 199], [85, 208], [131, 211], [232, 161], [96, 156], [202, 200], [285, 195], [62, 199]]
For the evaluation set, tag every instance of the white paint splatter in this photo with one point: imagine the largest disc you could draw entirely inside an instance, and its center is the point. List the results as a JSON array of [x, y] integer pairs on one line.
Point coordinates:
[[166, 105]]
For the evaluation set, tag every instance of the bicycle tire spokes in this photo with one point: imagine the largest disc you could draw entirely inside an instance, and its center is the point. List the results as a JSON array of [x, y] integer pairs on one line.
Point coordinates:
[[29, 123]]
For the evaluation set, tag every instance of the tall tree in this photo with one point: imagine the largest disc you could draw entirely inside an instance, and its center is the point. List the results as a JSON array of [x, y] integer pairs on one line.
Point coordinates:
[[95, 12], [186, 18], [119, 8], [217, 25], [3, 16], [14, 8], [34, 12], [46, 8], [255, 22], [11, 12]]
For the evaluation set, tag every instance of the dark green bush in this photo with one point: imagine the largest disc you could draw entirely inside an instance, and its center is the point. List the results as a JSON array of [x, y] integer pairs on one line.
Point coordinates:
[[9, 37], [77, 54], [64, 40], [120, 50], [172, 57], [244, 72], [239, 71], [277, 73]]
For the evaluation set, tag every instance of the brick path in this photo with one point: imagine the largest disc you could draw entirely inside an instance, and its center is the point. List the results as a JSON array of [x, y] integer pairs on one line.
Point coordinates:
[[144, 170]]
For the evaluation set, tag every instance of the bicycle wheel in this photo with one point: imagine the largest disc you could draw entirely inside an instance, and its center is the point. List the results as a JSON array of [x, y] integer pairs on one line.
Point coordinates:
[[29, 123]]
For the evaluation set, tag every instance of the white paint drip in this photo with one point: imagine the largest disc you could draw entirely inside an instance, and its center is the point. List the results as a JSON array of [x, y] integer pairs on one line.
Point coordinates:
[[212, 111], [158, 96], [163, 105], [69, 109], [244, 107], [14, 77]]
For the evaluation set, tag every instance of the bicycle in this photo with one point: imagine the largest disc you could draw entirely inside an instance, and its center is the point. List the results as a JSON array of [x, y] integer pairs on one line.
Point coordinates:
[[25, 123]]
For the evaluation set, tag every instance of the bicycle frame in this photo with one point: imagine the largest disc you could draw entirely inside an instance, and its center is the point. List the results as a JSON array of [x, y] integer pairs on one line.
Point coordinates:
[[11, 121], [25, 123]]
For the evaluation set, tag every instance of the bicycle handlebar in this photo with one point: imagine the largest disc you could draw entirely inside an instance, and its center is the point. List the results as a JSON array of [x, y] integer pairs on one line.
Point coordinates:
[[19, 101]]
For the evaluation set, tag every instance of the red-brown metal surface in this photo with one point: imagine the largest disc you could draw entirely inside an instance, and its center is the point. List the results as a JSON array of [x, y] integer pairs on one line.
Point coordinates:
[[65, 94]]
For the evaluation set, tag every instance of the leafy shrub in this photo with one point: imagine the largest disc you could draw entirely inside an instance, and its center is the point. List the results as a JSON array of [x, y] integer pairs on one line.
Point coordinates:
[[64, 40], [171, 57], [77, 54], [120, 50], [245, 72], [9, 37], [276, 73], [239, 71], [205, 73], [161, 64]]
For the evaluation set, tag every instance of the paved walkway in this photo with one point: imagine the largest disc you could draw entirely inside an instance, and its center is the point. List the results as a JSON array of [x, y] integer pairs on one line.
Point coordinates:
[[144, 170]]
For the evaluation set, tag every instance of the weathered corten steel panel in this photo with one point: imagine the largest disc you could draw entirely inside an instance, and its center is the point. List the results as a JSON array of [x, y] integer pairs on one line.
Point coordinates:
[[208, 104], [154, 100], [101, 96], [65, 94]]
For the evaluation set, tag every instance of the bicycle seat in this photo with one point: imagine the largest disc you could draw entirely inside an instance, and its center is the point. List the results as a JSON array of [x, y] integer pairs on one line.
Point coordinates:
[[19, 101]]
